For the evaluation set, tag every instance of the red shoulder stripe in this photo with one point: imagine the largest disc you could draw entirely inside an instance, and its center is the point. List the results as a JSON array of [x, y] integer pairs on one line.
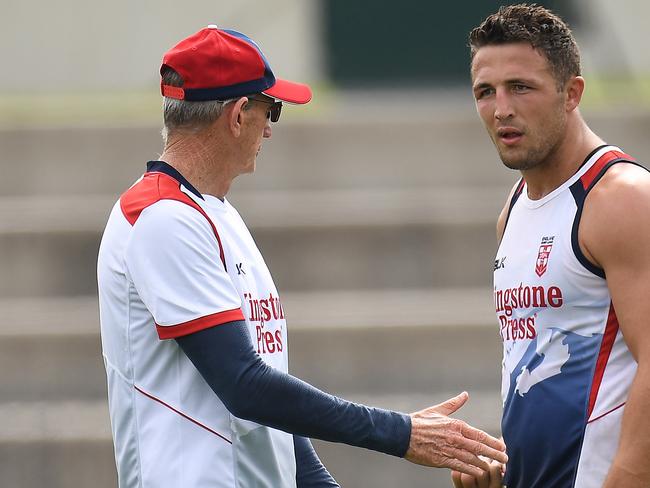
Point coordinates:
[[155, 187], [591, 174], [141, 195]]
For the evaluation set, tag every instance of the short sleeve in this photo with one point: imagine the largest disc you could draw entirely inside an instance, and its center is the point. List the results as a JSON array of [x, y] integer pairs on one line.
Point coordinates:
[[173, 259]]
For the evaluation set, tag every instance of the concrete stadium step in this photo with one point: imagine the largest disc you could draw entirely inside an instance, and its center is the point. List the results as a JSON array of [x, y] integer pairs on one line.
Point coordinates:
[[302, 155], [365, 342], [339, 151], [285, 210], [299, 259], [68, 444], [311, 240]]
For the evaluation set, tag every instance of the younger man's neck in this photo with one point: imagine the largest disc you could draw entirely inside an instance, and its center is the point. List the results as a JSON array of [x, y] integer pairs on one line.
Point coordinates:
[[563, 163]]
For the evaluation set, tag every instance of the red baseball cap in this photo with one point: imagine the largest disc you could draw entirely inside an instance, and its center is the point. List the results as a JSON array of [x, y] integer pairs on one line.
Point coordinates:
[[218, 64]]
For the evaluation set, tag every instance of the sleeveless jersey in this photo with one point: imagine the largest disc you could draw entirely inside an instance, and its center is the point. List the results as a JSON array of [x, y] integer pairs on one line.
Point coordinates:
[[173, 262], [566, 369]]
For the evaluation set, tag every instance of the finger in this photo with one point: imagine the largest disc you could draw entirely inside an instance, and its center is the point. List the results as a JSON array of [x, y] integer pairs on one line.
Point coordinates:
[[484, 481], [464, 469], [468, 458], [463, 438], [455, 478], [478, 449], [450, 406], [468, 471], [488, 446], [496, 475], [491, 478], [482, 437], [469, 481]]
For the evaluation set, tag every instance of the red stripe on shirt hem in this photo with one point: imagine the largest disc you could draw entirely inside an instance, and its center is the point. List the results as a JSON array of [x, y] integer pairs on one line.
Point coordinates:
[[607, 413], [186, 328], [611, 329], [205, 427]]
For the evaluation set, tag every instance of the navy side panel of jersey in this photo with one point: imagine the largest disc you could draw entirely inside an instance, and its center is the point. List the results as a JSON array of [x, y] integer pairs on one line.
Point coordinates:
[[553, 413]]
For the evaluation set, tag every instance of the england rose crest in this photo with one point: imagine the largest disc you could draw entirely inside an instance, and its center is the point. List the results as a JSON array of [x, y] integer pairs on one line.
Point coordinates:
[[542, 256]]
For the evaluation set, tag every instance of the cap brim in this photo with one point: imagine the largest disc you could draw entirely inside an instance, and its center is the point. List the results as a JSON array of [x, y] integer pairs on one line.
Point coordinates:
[[289, 91]]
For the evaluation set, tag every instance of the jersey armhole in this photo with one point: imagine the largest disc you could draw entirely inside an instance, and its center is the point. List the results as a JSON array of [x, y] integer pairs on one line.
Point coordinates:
[[581, 188], [515, 196]]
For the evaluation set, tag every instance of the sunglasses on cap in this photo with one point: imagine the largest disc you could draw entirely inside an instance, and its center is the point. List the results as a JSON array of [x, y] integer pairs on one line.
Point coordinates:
[[274, 110]]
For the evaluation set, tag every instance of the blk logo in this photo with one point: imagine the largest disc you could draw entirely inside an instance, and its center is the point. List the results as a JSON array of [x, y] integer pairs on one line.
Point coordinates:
[[240, 269], [542, 256], [499, 263]]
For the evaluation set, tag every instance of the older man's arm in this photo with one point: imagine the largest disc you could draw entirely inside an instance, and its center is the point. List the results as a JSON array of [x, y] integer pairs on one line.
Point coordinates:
[[253, 390]]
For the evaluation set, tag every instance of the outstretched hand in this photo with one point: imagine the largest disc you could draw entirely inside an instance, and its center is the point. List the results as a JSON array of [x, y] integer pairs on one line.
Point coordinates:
[[443, 442]]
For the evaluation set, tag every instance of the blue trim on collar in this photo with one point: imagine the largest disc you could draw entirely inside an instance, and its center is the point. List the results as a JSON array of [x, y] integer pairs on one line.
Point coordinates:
[[163, 167]]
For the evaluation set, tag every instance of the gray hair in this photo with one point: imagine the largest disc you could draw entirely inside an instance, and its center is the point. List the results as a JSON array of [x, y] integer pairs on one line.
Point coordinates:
[[187, 116]]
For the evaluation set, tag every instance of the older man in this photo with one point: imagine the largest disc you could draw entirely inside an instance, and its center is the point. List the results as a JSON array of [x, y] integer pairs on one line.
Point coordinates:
[[193, 329]]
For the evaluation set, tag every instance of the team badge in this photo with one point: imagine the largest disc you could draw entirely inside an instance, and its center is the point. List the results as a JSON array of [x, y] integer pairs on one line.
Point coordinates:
[[542, 256]]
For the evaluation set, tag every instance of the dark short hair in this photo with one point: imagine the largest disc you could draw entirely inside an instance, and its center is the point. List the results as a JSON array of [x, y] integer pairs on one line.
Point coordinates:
[[537, 26]]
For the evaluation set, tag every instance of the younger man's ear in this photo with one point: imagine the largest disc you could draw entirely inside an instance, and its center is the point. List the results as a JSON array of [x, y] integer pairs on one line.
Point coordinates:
[[574, 90]]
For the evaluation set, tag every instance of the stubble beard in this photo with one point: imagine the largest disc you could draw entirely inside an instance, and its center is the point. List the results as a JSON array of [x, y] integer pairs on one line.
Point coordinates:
[[530, 159], [536, 156]]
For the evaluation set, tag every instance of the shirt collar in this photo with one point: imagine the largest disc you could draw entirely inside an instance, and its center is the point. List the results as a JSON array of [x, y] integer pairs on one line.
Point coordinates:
[[163, 167]]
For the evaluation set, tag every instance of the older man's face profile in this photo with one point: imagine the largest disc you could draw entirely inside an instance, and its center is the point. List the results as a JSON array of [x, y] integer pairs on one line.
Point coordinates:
[[257, 126]]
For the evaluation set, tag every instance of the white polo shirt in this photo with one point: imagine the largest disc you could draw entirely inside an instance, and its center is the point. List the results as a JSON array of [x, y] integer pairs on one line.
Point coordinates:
[[173, 262]]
